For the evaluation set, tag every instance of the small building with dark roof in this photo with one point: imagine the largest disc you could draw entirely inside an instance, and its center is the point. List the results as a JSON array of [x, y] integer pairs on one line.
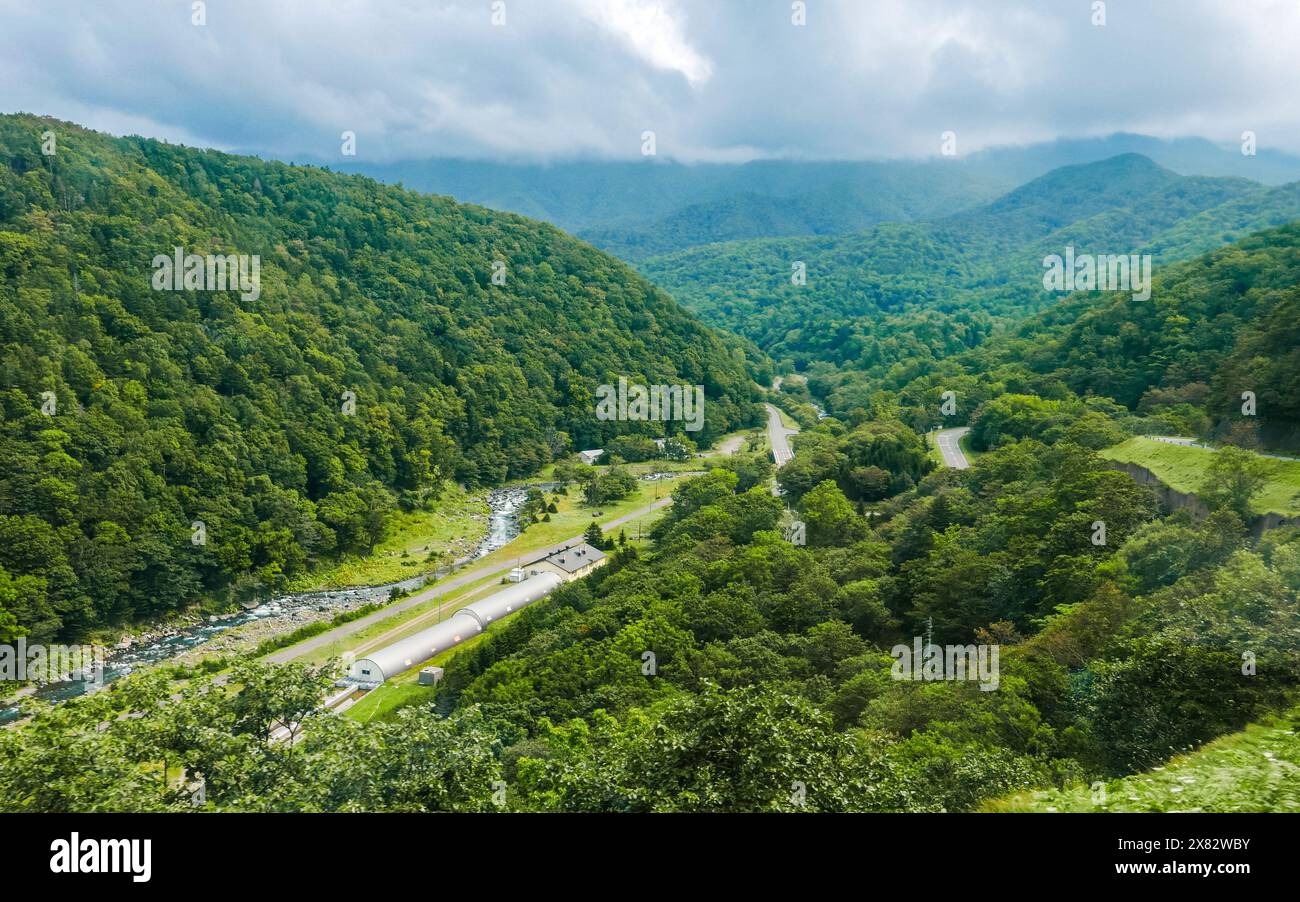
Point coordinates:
[[573, 562]]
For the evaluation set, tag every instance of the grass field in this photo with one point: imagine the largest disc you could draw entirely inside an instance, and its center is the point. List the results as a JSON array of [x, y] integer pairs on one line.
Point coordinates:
[[1183, 467], [570, 519], [1257, 769], [456, 521], [405, 689], [546, 474]]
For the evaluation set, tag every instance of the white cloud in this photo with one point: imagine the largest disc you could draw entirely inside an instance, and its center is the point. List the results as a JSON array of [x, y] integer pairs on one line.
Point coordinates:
[[654, 32], [714, 79]]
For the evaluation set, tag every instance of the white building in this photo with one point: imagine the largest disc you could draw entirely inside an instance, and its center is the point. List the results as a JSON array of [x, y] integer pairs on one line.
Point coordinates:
[[590, 457]]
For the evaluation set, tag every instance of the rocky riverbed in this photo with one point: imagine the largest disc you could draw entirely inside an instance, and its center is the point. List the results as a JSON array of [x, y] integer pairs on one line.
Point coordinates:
[[191, 637]]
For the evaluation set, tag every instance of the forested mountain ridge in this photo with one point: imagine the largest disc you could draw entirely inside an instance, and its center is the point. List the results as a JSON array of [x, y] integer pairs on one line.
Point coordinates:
[[171, 407], [844, 200], [655, 207], [928, 289], [1216, 327], [626, 207], [1186, 156], [1225, 323]]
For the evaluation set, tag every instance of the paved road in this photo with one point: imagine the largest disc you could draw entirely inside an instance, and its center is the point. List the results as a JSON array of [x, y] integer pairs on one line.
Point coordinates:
[[460, 580], [949, 441], [779, 437]]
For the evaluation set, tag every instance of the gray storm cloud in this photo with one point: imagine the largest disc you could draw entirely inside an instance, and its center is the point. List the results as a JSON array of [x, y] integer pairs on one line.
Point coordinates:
[[714, 79]]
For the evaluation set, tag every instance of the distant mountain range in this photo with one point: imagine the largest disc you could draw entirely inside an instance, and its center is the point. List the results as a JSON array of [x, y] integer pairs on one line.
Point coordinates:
[[640, 209], [987, 260]]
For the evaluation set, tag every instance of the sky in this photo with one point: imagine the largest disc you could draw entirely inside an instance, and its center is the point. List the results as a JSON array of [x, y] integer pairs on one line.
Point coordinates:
[[715, 80]]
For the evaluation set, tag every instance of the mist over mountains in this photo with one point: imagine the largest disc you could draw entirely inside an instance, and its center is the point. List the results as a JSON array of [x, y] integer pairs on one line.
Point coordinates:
[[648, 208]]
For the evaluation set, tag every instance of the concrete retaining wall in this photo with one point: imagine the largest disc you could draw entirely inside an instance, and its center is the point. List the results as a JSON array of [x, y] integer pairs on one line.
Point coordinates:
[[1171, 500]]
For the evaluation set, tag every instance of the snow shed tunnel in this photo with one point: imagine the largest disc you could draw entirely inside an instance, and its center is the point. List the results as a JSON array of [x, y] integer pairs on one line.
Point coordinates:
[[465, 623]]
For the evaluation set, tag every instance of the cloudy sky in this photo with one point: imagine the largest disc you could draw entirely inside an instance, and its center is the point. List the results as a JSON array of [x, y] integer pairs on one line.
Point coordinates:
[[714, 79]]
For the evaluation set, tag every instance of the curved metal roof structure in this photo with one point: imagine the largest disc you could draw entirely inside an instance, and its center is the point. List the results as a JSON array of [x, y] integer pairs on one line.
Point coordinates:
[[466, 623]]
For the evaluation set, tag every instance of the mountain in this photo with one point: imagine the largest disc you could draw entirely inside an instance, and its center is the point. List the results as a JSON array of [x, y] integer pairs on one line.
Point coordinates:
[[833, 199], [1215, 327], [1186, 156], [637, 210], [895, 282], [375, 358], [778, 683], [1225, 323]]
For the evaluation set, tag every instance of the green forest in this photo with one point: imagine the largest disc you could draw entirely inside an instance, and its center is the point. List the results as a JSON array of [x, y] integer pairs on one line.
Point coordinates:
[[1217, 326], [770, 687], [718, 664], [907, 295], [379, 361]]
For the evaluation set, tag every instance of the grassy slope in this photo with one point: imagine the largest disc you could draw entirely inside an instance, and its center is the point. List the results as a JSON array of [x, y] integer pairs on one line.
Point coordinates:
[[932, 443], [1257, 769], [1182, 467], [455, 522]]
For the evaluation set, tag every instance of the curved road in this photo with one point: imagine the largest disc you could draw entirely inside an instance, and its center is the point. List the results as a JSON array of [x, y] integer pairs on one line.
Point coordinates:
[[949, 442], [778, 436]]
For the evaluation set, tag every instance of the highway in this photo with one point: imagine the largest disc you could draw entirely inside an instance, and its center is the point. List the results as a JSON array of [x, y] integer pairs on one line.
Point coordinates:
[[779, 437], [949, 441]]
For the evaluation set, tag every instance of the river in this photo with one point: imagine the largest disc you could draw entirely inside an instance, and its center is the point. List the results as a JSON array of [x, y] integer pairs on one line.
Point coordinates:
[[166, 643]]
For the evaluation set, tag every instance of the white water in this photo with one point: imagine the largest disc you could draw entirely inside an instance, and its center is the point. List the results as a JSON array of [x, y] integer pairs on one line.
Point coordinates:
[[503, 526]]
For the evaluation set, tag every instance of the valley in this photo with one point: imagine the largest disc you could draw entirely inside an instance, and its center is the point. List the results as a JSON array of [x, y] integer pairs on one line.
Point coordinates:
[[557, 414], [404, 419]]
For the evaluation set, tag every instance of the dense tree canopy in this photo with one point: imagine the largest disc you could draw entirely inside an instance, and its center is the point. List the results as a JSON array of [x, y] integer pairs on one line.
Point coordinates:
[[159, 445]]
